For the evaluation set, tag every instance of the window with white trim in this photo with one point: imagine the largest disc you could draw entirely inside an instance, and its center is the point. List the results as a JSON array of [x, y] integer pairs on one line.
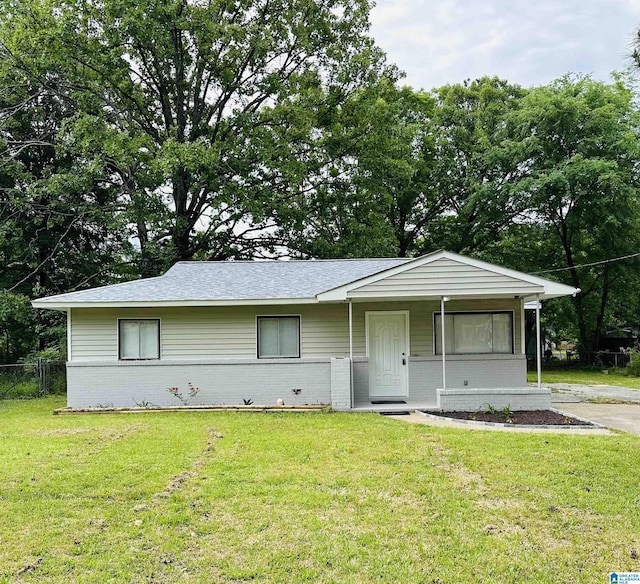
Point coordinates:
[[474, 332], [278, 336], [138, 339]]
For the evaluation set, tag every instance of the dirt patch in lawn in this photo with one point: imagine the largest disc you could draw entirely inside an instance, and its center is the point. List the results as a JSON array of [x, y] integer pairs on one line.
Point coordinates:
[[520, 418]]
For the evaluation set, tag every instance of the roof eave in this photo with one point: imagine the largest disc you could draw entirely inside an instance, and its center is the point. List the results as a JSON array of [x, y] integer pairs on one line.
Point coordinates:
[[62, 305]]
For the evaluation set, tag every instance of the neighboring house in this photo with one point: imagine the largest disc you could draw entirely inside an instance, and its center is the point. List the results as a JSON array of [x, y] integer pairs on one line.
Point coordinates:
[[347, 333]]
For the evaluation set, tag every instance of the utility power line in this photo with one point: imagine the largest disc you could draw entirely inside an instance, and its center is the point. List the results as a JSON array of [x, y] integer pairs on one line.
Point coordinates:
[[633, 255]]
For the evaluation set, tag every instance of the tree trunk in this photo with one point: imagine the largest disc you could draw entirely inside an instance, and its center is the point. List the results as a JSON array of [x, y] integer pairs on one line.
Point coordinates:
[[603, 305], [181, 240]]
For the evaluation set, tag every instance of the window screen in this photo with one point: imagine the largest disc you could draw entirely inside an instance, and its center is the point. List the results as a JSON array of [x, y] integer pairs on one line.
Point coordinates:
[[139, 339], [278, 336]]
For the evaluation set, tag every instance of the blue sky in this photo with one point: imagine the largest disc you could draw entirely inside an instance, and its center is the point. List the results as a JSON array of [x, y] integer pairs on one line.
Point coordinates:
[[527, 42]]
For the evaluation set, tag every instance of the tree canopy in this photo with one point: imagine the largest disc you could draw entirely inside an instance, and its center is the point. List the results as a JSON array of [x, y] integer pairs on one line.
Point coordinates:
[[206, 117], [133, 135]]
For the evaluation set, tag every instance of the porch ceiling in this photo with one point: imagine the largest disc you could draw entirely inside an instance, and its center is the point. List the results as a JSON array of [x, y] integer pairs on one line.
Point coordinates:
[[435, 297]]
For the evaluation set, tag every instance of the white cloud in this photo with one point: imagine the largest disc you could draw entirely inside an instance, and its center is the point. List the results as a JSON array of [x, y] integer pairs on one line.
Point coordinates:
[[523, 41]]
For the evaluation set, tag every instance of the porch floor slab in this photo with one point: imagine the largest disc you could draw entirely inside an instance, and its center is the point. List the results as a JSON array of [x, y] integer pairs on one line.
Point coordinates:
[[410, 406]]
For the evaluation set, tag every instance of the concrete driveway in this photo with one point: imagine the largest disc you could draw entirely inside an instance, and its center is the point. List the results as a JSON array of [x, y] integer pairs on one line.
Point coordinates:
[[624, 417], [574, 399], [573, 393]]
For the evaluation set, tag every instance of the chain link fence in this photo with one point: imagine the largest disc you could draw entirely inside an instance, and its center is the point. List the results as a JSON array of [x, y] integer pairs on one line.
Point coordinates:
[[603, 358], [29, 380], [581, 359]]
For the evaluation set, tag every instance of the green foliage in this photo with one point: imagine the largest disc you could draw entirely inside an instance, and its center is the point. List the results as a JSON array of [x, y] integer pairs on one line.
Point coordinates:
[[633, 368], [207, 117], [136, 134], [490, 409], [18, 383], [507, 413], [473, 167], [17, 326], [52, 353], [576, 143]]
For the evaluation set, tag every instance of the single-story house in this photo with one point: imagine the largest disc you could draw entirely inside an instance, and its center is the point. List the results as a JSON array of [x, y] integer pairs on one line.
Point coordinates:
[[439, 331]]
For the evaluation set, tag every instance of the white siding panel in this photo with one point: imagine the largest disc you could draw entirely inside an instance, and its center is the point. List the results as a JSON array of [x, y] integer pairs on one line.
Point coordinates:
[[444, 276], [93, 336], [210, 332], [193, 332]]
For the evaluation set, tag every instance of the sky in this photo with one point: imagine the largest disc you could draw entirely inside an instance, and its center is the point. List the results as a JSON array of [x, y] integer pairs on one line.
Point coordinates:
[[529, 42]]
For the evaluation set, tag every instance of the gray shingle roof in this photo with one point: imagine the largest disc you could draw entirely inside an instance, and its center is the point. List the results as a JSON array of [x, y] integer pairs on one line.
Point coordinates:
[[219, 281]]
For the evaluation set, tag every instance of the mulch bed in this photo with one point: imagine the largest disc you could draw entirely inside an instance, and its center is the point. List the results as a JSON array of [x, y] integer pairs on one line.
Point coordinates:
[[523, 418]]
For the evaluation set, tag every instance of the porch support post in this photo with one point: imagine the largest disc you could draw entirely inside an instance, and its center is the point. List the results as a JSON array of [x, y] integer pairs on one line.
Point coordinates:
[[523, 320], [443, 299], [69, 354], [538, 342], [351, 352]]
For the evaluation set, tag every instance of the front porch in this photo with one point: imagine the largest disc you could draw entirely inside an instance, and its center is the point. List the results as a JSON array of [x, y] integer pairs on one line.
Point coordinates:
[[473, 381], [442, 331]]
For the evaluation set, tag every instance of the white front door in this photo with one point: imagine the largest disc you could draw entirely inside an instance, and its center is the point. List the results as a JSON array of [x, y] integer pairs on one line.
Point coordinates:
[[388, 353]]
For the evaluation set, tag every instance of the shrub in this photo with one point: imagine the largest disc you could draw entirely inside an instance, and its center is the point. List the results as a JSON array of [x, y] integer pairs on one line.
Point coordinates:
[[633, 369]]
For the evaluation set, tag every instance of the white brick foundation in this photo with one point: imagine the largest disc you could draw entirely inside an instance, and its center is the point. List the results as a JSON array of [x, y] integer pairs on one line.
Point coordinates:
[[340, 384], [474, 399], [221, 382]]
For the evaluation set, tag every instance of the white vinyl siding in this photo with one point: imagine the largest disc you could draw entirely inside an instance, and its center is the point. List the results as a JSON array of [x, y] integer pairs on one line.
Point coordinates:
[[192, 333], [475, 333], [444, 277], [278, 336], [201, 333], [139, 339]]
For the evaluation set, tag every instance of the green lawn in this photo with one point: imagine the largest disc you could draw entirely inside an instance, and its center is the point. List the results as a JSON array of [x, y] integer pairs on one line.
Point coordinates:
[[227, 497], [585, 377]]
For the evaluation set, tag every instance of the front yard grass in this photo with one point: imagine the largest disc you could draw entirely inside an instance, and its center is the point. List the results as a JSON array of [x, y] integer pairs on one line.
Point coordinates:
[[227, 497], [585, 377]]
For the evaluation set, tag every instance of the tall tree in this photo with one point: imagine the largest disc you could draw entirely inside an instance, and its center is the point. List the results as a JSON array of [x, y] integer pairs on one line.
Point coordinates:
[[206, 114], [364, 201], [472, 168], [385, 197], [576, 143], [401, 165], [57, 225]]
